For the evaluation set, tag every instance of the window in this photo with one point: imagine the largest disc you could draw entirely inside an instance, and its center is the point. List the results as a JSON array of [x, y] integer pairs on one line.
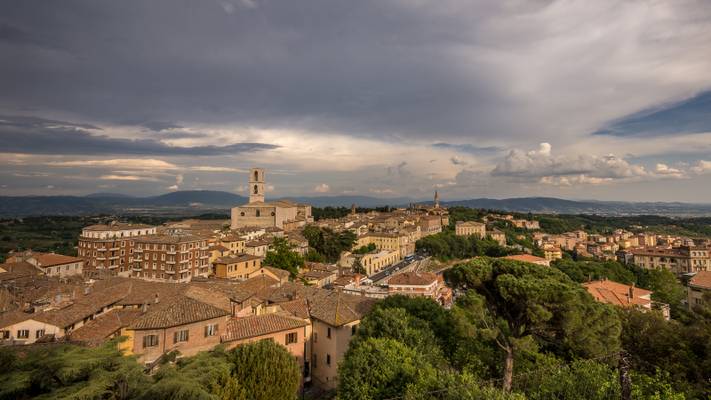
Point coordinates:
[[180, 336], [354, 328], [328, 359], [23, 333], [39, 333], [315, 341], [315, 358], [150, 341], [4, 334], [291, 338], [259, 214], [328, 332], [210, 330]]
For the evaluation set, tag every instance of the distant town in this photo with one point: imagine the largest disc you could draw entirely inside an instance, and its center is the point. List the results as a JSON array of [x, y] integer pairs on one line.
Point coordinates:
[[273, 272]]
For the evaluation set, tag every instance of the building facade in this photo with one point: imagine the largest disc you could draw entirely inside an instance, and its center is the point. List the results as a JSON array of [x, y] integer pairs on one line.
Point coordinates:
[[110, 247]]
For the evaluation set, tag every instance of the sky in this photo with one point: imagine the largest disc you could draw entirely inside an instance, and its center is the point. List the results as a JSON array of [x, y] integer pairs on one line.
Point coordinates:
[[578, 99]]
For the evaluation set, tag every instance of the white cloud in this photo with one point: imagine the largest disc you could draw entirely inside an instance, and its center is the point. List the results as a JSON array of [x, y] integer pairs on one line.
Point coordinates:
[[322, 188], [113, 177], [665, 170], [702, 167], [207, 168], [125, 163], [173, 187]]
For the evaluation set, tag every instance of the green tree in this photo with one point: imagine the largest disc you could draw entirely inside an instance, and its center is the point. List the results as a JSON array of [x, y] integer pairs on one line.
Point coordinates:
[[380, 368], [266, 370], [68, 371], [517, 304], [328, 243], [283, 257]]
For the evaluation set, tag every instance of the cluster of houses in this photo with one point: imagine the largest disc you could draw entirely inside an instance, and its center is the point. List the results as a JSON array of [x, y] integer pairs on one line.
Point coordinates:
[[189, 286]]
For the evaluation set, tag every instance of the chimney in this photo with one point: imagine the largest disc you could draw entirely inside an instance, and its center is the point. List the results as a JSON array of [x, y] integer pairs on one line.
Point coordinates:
[[357, 279], [631, 291], [156, 299]]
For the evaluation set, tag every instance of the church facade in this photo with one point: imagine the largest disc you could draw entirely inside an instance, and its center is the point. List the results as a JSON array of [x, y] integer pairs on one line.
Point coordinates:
[[259, 213]]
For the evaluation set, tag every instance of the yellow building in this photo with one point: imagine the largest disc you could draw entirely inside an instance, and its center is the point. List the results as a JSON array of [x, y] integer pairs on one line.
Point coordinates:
[[467, 228], [376, 261], [240, 266]]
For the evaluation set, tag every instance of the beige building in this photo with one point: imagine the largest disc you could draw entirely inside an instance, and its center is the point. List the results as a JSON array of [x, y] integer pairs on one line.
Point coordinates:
[[467, 228], [262, 214], [186, 325], [424, 284], [498, 236], [679, 260], [51, 264], [396, 241], [239, 266], [376, 261], [698, 285]]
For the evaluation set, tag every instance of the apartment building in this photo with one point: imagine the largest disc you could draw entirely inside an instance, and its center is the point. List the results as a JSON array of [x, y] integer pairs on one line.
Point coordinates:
[[679, 260], [170, 258], [394, 241], [238, 266], [109, 247], [376, 261], [467, 228]]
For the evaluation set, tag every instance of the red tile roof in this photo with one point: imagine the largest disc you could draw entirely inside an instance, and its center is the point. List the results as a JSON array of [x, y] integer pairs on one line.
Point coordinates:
[[259, 325], [702, 279], [615, 293], [51, 259], [413, 278], [184, 310]]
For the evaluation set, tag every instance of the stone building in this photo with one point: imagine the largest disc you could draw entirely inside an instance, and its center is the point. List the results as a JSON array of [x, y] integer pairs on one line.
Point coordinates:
[[259, 213]]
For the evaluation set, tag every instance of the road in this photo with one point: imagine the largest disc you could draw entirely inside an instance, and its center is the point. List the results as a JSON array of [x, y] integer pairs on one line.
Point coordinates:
[[401, 266]]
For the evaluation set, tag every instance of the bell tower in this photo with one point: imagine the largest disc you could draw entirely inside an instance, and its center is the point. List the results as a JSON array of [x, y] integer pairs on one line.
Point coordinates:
[[436, 200], [256, 185]]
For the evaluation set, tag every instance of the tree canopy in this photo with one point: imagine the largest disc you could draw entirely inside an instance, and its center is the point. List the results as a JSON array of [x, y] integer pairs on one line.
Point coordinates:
[[328, 243], [283, 257]]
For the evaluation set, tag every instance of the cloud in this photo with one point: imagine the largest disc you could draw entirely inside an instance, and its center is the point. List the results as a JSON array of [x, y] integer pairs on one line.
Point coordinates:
[[113, 177], [125, 163], [207, 168], [685, 117], [41, 136], [466, 148], [322, 188], [665, 170], [701, 167], [540, 162], [179, 179], [173, 187]]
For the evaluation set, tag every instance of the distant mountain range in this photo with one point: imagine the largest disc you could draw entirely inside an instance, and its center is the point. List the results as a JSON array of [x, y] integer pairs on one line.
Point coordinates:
[[193, 201]]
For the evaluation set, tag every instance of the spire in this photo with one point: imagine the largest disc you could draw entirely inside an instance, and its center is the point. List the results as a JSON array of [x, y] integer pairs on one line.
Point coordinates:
[[436, 199]]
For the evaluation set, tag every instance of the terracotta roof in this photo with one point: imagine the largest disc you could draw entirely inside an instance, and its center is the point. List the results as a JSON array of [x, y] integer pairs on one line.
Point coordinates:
[[702, 279], [103, 326], [116, 226], [413, 278], [611, 292], [18, 270], [51, 259], [317, 274], [184, 310], [336, 308], [280, 273], [526, 258], [234, 259], [83, 306], [258, 325], [12, 317], [298, 308]]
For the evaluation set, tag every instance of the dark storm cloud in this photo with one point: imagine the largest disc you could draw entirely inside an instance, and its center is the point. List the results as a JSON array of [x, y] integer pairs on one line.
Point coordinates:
[[368, 68], [689, 116], [42, 136]]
